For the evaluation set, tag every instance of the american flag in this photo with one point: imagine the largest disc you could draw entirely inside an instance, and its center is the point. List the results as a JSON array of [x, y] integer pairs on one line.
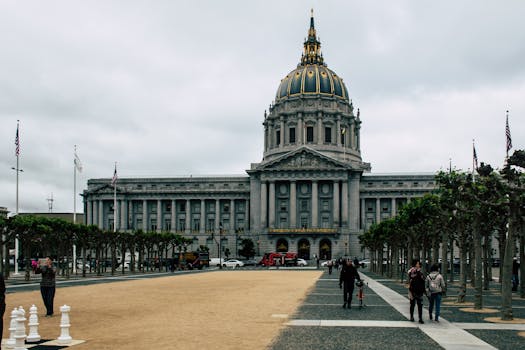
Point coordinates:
[[115, 177], [507, 133], [17, 141]]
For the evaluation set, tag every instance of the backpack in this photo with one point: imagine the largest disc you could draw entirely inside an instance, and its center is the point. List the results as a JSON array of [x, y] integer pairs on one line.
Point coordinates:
[[417, 283], [433, 286]]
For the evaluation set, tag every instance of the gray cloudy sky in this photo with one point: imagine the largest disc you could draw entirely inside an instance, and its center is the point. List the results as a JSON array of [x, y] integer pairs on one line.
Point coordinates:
[[172, 88]]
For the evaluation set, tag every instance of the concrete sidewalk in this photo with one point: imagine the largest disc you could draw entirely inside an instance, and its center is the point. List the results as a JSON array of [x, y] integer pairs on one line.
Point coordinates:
[[322, 323]]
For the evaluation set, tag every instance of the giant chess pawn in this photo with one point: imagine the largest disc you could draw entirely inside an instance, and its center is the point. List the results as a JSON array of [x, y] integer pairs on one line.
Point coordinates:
[[33, 335], [10, 343], [64, 338], [20, 333]]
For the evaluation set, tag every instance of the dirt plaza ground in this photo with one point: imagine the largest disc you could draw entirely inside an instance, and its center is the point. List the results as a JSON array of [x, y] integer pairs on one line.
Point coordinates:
[[211, 310]]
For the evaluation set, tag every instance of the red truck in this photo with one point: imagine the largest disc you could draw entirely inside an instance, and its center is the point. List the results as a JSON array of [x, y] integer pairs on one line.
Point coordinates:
[[279, 259]]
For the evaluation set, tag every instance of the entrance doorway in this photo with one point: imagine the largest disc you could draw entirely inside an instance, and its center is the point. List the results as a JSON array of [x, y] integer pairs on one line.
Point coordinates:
[[281, 246], [325, 249], [303, 249]]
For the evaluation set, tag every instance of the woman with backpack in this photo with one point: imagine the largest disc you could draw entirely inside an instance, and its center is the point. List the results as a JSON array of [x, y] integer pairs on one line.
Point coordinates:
[[435, 286], [416, 289]]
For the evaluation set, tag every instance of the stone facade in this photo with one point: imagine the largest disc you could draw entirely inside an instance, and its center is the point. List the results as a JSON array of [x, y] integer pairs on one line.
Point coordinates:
[[310, 194]]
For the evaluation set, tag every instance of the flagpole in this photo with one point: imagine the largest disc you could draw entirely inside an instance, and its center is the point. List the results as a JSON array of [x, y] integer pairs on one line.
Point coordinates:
[[17, 243], [474, 156], [75, 205], [115, 211]]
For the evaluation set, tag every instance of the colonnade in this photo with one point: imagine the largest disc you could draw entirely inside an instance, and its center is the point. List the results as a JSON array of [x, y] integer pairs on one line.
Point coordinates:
[[123, 216]]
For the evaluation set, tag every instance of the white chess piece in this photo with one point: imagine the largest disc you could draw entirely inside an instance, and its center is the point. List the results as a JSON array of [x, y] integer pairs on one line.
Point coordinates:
[[33, 335], [10, 343], [64, 338], [20, 333]]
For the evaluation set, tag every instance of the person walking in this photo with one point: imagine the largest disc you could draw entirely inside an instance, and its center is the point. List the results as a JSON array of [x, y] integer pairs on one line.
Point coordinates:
[[347, 280], [435, 286], [47, 285], [416, 289], [330, 265]]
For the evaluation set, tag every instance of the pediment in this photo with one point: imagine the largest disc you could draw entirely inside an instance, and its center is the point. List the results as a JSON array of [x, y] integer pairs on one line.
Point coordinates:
[[303, 159]]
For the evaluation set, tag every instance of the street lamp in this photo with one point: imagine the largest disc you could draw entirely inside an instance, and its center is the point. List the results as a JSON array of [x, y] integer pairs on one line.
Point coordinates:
[[18, 171], [220, 245]]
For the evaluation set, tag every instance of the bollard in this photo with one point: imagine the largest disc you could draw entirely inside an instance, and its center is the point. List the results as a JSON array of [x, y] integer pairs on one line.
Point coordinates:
[[64, 338], [33, 336], [20, 333], [10, 343]]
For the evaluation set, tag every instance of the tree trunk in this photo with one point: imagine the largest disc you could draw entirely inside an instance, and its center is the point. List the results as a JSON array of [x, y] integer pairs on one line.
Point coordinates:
[[506, 283], [487, 263], [462, 273], [522, 263], [478, 280], [452, 272], [444, 253]]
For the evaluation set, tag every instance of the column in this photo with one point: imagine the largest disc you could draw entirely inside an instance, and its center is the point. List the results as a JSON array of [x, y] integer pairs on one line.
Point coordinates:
[[293, 204], [123, 214], [247, 217], [173, 216], [203, 216], [352, 136], [159, 215], [319, 128], [232, 216], [145, 215], [344, 204], [89, 213], [363, 214], [188, 216], [281, 145], [336, 204], [271, 200], [217, 214], [300, 129], [394, 209], [100, 214], [265, 137], [338, 131], [131, 215], [378, 210], [354, 201], [264, 222], [315, 205]]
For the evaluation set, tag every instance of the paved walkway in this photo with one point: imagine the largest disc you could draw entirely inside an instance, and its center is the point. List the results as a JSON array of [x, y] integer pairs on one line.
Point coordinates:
[[322, 323]]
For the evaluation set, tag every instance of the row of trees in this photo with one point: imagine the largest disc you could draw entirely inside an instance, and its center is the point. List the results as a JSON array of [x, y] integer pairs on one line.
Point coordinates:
[[40, 236], [465, 212]]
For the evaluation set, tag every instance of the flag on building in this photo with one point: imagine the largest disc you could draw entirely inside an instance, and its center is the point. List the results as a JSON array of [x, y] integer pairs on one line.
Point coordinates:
[[17, 140], [507, 134], [115, 177], [78, 163]]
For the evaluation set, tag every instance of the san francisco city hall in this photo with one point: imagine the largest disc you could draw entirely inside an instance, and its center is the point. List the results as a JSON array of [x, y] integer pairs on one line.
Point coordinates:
[[310, 194]]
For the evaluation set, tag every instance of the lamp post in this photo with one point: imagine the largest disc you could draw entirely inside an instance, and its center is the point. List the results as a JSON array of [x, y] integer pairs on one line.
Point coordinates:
[[220, 245], [18, 171]]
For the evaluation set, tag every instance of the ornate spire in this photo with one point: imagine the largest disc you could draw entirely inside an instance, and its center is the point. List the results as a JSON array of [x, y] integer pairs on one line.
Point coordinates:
[[312, 46]]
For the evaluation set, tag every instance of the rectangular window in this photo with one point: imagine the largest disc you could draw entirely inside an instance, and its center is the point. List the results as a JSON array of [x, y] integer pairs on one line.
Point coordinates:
[[211, 224], [182, 224], [182, 207], [325, 222], [309, 134], [196, 224], [167, 225], [325, 205], [168, 207], [283, 222], [292, 135], [278, 137], [304, 222], [343, 132], [226, 208], [328, 135], [304, 205]]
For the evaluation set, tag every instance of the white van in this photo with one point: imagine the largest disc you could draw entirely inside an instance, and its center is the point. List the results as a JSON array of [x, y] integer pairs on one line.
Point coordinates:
[[216, 262]]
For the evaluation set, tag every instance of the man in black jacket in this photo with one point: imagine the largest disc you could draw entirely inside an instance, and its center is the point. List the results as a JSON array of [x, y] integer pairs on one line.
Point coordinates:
[[47, 285], [347, 280]]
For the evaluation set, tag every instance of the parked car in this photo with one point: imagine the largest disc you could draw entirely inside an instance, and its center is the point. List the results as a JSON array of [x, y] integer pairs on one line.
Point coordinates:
[[249, 262], [232, 263], [364, 263], [301, 262]]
